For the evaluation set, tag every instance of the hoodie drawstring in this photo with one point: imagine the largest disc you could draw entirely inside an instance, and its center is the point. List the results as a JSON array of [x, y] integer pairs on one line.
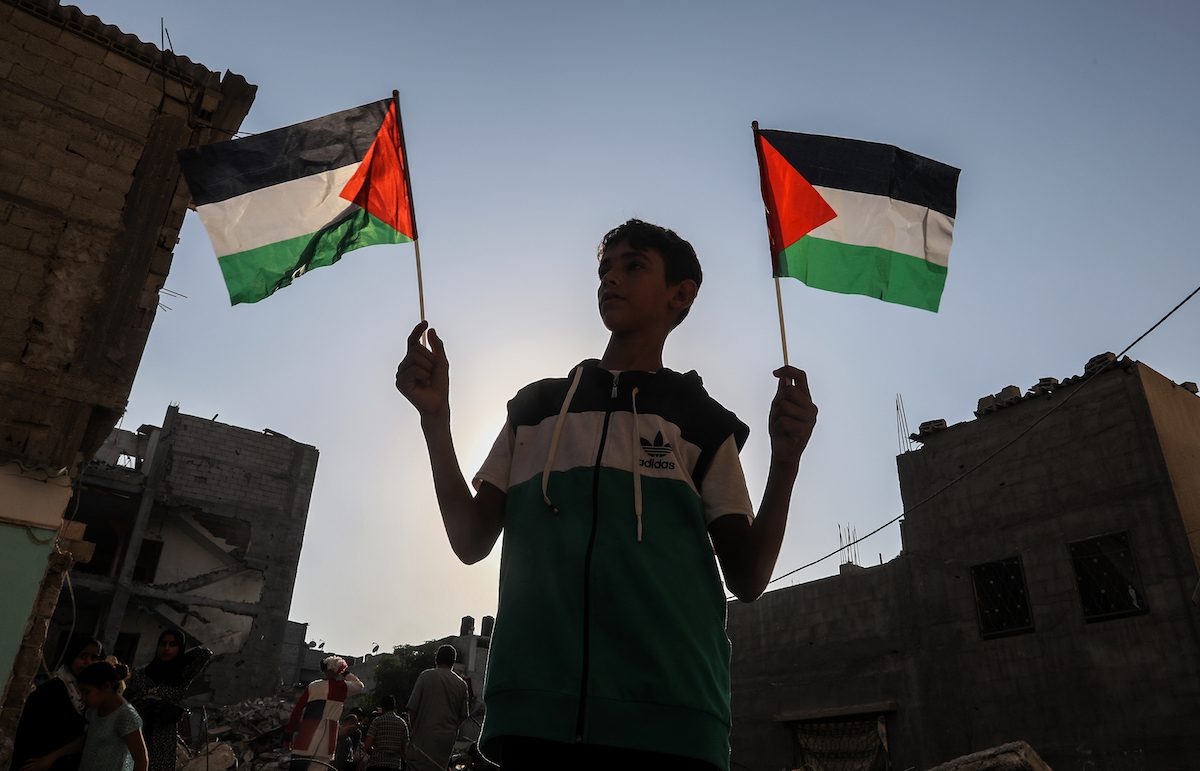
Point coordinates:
[[637, 474], [554, 437]]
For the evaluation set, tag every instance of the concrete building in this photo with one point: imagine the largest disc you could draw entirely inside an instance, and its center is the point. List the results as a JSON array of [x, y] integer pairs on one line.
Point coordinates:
[[1046, 596], [473, 651], [472, 666], [91, 203], [197, 525], [294, 656]]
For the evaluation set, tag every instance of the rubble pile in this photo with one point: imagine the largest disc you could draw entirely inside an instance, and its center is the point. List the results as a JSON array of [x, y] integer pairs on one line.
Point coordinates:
[[247, 734]]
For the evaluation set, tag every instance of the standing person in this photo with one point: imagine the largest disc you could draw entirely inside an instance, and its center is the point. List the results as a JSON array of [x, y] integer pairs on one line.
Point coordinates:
[[53, 715], [436, 708], [114, 739], [346, 756], [312, 731], [387, 739], [619, 490], [157, 692]]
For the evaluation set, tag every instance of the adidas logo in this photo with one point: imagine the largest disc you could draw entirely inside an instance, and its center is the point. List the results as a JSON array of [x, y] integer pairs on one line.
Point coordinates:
[[657, 450]]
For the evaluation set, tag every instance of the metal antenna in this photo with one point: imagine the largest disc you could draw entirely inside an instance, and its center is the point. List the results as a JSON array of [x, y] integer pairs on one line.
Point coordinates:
[[906, 444]]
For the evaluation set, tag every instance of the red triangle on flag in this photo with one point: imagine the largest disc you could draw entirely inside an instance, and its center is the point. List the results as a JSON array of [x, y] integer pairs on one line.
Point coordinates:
[[380, 184], [794, 207]]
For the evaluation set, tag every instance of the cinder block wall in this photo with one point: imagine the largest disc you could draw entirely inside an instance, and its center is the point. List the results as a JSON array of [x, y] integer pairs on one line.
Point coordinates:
[[91, 203], [264, 481], [90, 208]]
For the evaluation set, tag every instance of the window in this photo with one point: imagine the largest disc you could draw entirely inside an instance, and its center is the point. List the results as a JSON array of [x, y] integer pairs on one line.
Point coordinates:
[[856, 743], [147, 561], [108, 546], [1001, 599], [126, 647], [1107, 576]]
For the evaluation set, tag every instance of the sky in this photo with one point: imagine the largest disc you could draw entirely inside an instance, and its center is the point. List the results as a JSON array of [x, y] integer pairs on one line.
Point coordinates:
[[534, 127]]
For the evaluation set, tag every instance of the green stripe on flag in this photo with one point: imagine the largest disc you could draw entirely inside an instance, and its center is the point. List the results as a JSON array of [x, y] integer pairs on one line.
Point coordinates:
[[256, 273], [867, 270]]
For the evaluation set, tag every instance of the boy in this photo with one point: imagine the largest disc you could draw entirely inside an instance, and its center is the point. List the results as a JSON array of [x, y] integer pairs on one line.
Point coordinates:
[[614, 487]]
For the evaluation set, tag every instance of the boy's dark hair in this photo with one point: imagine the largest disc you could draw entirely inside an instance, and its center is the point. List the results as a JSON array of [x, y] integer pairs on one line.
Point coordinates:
[[388, 703], [446, 655], [109, 672], [679, 258]]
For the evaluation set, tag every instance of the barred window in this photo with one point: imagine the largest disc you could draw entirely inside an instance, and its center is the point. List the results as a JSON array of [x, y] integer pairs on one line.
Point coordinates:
[[1107, 576], [1001, 599], [857, 743]]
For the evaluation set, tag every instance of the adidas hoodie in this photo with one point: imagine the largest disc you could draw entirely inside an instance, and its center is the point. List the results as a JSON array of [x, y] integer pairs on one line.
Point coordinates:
[[611, 621]]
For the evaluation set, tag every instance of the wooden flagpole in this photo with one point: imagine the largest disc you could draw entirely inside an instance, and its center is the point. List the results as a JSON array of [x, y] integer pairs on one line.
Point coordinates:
[[412, 211], [778, 291], [782, 329]]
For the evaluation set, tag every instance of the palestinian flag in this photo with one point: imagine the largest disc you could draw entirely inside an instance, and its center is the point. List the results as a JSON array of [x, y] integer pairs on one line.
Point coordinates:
[[281, 203], [858, 217]]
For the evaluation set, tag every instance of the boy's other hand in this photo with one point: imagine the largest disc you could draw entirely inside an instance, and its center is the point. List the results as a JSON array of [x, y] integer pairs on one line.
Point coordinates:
[[423, 377], [793, 416]]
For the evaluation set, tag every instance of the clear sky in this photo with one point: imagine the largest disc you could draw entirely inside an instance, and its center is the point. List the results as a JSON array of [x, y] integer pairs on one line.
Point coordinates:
[[533, 128]]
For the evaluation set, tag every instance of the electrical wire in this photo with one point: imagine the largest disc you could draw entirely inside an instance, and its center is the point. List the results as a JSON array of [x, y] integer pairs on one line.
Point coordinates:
[[1071, 394]]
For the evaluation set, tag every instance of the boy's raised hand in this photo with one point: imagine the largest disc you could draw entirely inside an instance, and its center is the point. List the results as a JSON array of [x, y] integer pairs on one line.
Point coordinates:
[[793, 416], [423, 377]]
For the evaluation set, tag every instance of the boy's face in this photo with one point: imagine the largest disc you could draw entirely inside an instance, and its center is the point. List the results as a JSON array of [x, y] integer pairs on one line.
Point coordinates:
[[634, 294]]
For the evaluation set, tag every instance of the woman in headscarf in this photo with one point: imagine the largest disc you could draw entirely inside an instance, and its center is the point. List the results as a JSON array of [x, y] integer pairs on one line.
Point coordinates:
[[53, 716], [157, 690]]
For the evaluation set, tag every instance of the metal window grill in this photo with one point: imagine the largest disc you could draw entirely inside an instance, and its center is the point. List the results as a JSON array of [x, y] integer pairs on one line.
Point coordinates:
[[855, 744], [1107, 577], [1001, 598]]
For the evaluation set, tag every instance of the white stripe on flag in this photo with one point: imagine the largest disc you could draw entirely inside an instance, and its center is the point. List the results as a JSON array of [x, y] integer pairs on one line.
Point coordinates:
[[876, 220], [276, 213]]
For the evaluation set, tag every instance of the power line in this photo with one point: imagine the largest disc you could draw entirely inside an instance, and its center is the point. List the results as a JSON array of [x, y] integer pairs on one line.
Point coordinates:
[[996, 452]]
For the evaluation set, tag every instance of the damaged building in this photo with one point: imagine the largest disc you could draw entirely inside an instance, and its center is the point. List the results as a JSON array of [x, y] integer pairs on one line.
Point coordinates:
[[197, 525], [91, 202], [1045, 592]]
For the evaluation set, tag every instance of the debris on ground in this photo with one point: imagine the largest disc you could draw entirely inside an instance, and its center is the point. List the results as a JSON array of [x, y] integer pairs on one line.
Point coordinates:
[[1014, 756], [247, 734]]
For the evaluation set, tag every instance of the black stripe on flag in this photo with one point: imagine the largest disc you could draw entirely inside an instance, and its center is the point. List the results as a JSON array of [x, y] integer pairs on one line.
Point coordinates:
[[869, 167], [224, 170]]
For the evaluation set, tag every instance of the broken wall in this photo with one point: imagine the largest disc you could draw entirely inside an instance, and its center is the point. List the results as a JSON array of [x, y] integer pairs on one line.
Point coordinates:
[[246, 493], [91, 203], [203, 535]]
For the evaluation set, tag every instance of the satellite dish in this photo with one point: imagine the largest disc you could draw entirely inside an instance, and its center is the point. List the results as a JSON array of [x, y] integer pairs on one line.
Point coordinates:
[[312, 643], [375, 649]]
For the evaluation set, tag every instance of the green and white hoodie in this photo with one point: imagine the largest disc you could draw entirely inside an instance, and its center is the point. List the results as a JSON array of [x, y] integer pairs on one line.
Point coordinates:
[[611, 621]]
